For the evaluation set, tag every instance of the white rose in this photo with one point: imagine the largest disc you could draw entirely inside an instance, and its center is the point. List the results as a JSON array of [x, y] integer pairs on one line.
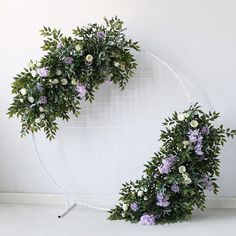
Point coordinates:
[[31, 99], [140, 193], [55, 81], [180, 116], [23, 91], [182, 169], [185, 175], [78, 47], [194, 123], [125, 207], [185, 143], [145, 198], [42, 116], [116, 64], [89, 58], [64, 82], [33, 73], [187, 181], [73, 82], [38, 120], [41, 109], [186, 114], [58, 72]]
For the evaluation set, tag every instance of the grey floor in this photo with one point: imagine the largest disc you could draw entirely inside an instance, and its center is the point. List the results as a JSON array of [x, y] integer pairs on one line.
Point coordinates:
[[34, 220]]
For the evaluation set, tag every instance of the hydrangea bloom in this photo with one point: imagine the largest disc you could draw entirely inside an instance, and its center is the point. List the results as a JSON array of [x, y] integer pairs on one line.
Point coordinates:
[[43, 99], [134, 206], [101, 34], [207, 182], [43, 72], [81, 90], [162, 200], [147, 219], [166, 165], [68, 60], [175, 188], [205, 130]]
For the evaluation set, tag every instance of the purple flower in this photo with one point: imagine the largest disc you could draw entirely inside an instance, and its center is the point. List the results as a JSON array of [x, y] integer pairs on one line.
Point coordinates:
[[147, 219], [205, 130], [166, 165], [43, 72], [175, 188], [68, 60], [101, 34], [207, 182], [194, 135], [198, 149], [43, 100], [162, 200], [59, 45], [81, 90], [134, 206]]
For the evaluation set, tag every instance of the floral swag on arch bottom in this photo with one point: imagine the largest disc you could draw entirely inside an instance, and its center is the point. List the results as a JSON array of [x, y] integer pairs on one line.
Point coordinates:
[[175, 179]]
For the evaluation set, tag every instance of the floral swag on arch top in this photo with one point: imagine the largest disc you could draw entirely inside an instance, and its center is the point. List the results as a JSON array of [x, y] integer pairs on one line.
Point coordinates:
[[71, 70]]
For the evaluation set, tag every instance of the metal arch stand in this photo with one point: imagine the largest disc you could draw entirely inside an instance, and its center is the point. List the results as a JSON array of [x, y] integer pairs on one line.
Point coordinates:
[[69, 207]]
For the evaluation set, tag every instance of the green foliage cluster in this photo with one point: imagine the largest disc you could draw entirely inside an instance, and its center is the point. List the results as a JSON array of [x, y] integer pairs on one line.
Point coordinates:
[[72, 69], [170, 195]]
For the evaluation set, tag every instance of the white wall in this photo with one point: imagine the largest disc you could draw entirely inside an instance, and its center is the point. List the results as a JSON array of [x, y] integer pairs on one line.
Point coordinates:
[[197, 37]]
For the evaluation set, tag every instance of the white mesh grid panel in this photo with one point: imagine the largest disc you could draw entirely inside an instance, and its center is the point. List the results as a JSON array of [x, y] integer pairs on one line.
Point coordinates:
[[116, 134]]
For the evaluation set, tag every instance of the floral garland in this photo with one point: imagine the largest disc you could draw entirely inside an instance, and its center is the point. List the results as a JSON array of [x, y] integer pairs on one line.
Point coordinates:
[[176, 177], [72, 70]]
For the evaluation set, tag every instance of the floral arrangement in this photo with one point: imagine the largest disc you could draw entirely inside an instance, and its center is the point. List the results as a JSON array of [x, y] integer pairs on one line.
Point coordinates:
[[72, 69], [175, 179]]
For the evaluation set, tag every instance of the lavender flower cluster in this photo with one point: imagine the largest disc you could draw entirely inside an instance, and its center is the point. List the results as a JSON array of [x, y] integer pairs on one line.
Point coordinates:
[[162, 200], [196, 137], [166, 165]]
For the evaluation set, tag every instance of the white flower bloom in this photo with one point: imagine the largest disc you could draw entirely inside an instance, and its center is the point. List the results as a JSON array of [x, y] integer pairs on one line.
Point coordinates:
[[41, 109], [38, 64], [42, 116], [140, 193], [122, 67], [194, 123], [180, 116], [145, 198], [64, 82], [187, 181], [125, 207], [78, 47], [23, 91], [58, 72], [73, 82], [116, 64], [89, 58], [185, 175], [33, 73], [31, 99], [182, 169], [186, 114], [21, 100], [55, 81], [38, 120], [185, 143]]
